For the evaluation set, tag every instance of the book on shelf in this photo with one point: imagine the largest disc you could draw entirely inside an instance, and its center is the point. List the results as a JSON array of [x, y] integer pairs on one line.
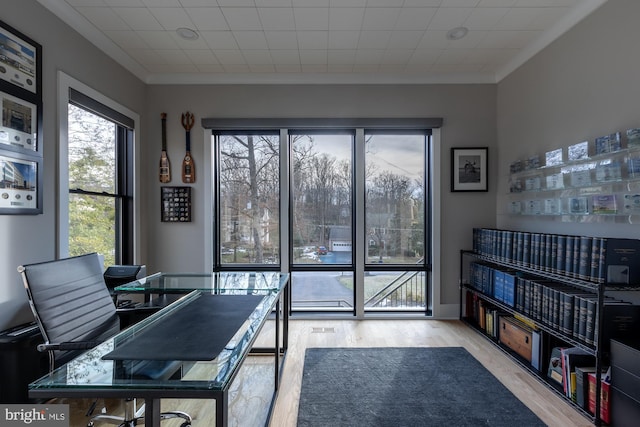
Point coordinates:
[[572, 357], [578, 205], [605, 390], [554, 372], [582, 385], [633, 166]]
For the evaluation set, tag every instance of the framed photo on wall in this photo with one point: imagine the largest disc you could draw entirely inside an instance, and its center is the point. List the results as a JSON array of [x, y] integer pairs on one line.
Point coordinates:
[[19, 59], [19, 126], [469, 169], [20, 184]]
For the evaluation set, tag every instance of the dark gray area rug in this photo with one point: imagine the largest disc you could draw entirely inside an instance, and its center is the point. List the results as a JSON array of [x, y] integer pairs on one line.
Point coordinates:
[[397, 387]]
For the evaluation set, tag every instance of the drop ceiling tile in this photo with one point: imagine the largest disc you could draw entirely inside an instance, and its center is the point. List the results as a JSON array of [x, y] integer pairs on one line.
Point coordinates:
[[459, 3], [145, 56], [288, 68], [208, 18], [202, 57], [546, 3], [281, 39], [127, 39], [508, 39], [104, 18], [380, 18], [219, 40], [374, 39], [422, 3], [310, 3], [314, 68], [340, 68], [404, 39], [497, 3], [450, 56], [173, 56], [425, 56], [236, 3], [91, 3], [485, 18], [273, 3], [343, 18], [276, 18], [112, 3], [199, 43], [313, 57], [236, 68], [385, 3], [311, 18], [415, 18], [470, 41], [262, 68], [347, 3], [162, 3], [369, 56], [171, 18], [198, 3], [210, 68], [158, 39], [256, 57], [341, 56], [313, 39], [242, 18], [527, 19], [343, 39], [138, 18], [250, 39], [397, 56], [229, 57], [448, 18], [433, 39], [285, 56]]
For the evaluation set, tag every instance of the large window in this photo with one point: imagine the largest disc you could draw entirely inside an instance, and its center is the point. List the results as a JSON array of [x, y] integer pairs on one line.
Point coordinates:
[[99, 150], [344, 209]]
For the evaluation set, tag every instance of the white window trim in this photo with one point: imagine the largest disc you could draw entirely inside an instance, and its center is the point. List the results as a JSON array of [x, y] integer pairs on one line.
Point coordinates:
[[65, 82]]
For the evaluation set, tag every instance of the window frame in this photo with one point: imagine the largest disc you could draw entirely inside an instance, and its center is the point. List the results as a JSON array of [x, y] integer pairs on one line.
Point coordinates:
[[431, 128], [129, 218]]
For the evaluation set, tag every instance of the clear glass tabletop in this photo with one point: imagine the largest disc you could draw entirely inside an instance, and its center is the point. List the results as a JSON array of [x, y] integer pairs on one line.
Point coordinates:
[[90, 371], [221, 282]]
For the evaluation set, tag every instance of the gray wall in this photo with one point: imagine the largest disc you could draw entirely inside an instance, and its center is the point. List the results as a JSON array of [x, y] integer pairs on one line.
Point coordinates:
[[469, 113], [28, 238], [582, 86]]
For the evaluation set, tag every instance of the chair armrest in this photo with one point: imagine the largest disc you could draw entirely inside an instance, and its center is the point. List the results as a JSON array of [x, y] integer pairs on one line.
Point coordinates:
[[80, 345]]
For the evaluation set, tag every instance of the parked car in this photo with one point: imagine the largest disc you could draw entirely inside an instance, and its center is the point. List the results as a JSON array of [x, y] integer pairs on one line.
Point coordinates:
[[322, 250]]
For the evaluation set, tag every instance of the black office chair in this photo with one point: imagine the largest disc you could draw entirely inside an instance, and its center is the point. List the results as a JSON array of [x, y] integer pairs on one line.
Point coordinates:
[[75, 312]]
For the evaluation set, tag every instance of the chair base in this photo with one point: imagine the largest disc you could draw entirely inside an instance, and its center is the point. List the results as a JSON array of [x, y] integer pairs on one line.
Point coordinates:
[[133, 417]]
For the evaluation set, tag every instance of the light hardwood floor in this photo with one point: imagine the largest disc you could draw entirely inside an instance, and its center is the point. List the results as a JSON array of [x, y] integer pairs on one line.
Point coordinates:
[[552, 409]]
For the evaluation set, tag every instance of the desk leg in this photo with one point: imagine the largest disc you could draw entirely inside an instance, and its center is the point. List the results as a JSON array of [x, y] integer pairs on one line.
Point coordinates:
[[222, 409], [152, 412]]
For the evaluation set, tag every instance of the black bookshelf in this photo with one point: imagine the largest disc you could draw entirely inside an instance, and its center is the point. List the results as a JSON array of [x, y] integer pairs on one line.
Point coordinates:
[[493, 277]]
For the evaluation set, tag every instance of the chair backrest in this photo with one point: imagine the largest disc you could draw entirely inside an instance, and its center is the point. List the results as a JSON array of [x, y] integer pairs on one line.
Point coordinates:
[[70, 302]]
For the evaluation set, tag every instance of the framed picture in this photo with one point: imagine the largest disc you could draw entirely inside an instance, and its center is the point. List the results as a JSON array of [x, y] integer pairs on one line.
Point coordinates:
[[19, 59], [469, 169], [20, 184], [19, 126], [176, 204]]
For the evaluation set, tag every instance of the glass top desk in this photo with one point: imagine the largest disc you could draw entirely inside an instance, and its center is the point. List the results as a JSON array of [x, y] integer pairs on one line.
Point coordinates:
[[96, 374]]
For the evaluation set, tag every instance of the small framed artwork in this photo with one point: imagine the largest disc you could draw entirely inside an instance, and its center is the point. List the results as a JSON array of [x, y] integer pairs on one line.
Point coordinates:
[[20, 184], [176, 204], [19, 59], [469, 169], [19, 126]]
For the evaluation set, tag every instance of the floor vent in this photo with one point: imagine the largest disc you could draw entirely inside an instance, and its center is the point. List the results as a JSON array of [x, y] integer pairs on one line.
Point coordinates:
[[323, 330]]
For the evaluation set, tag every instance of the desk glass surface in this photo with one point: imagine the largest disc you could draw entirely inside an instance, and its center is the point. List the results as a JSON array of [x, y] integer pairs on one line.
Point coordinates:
[[220, 282], [89, 371]]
